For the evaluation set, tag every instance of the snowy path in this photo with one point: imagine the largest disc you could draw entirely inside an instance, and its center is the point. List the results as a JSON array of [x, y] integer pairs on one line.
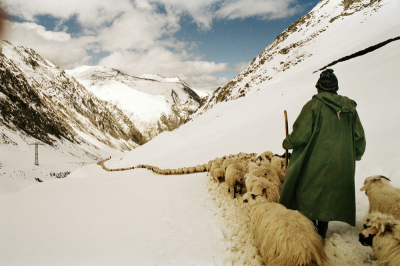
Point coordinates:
[[95, 217]]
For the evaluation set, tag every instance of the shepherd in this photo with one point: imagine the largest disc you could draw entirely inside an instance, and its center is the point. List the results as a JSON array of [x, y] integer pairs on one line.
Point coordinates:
[[327, 140]]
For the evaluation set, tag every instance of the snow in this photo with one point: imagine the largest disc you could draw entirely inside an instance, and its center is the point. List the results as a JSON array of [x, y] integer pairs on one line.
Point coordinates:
[[98, 218], [94, 217], [144, 100]]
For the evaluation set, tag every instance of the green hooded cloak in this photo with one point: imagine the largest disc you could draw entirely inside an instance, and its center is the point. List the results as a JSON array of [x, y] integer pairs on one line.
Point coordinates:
[[327, 139]]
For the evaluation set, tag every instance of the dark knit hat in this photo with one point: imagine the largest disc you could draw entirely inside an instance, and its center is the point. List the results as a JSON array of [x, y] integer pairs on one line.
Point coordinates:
[[327, 81]]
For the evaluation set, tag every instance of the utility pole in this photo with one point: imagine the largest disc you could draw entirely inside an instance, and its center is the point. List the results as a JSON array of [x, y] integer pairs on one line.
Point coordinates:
[[36, 152]]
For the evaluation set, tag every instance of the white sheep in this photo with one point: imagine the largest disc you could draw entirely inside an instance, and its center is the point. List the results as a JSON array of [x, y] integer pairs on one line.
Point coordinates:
[[384, 231], [266, 189], [383, 197], [192, 170], [278, 164], [209, 164], [218, 175], [251, 167], [269, 174], [227, 162], [261, 186], [267, 154], [234, 177], [216, 164], [283, 236]]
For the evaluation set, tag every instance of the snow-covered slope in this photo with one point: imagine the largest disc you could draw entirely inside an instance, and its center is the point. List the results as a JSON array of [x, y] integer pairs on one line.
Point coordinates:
[[141, 218], [40, 99], [255, 123], [331, 30], [153, 103], [39, 102]]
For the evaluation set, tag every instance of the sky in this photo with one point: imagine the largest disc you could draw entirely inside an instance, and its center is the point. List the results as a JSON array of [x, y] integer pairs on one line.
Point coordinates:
[[204, 42]]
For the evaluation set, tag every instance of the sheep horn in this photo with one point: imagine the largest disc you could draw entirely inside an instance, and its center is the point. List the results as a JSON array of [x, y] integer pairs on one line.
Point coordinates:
[[385, 177]]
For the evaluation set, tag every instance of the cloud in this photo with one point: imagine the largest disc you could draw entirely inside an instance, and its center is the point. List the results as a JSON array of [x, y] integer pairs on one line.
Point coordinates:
[[58, 47], [136, 36], [159, 60], [137, 29], [96, 14], [265, 9], [89, 13]]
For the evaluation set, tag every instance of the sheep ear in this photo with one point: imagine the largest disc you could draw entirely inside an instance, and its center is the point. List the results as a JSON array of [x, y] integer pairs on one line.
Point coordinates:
[[370, 231], [386, 228], [264, 191], [366, 186], [385, 178]]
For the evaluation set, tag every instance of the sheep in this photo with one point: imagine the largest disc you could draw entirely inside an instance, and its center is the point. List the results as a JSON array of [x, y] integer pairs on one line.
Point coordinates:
[[250, 180], [209, 164], [261, 186], [283, 236], [278, 164], [202, 168], [234, 176], [216, 164], [269, 174], [267, 189], [227, 162], [384, 231], [251, 167], [383, 197], [192, 170], [267, 154], [218, 175]]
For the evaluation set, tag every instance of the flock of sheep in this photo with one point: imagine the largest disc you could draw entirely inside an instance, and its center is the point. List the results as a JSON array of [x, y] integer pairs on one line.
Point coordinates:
[[286, 237], [382, 224], [283, 236]]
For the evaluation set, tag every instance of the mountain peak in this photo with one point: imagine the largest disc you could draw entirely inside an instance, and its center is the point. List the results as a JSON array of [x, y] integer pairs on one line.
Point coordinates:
[[319, 35], [154, 103]]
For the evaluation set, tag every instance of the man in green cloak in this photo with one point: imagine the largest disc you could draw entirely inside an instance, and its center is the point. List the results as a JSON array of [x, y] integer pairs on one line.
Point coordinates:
[[327, 139]]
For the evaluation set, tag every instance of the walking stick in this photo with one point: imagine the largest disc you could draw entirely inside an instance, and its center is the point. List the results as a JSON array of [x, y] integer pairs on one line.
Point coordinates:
[[287, 129]]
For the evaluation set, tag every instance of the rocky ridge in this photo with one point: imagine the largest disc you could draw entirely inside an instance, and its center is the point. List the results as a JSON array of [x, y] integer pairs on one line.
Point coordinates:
[[292, 46], [153, 103], [41, 100]]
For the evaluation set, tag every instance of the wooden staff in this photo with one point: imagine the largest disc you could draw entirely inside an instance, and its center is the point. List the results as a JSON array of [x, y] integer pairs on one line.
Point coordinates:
[[287, 132]]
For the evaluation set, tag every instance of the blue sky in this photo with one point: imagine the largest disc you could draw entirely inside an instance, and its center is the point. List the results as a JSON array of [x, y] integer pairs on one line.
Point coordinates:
[[206, 42]]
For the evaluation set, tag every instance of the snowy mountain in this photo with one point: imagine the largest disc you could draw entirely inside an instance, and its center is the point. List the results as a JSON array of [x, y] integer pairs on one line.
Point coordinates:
[[40, 99], [153, 103], [320, 36], [255, 123], [39, 102], [131, 216]]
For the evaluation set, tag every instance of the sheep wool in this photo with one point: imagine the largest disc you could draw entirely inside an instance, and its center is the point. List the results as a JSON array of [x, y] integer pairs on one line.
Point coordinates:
[[234, 176], [383, 197], [278, 164], [266, 189], [269, 174], [267, 154], [216, 164], [218, 175], [284, 237], [385, 244]]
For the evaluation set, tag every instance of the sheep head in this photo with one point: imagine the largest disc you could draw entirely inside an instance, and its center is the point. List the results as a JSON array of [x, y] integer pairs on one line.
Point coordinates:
[[376, 223], [253, 199], [371, 180]]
